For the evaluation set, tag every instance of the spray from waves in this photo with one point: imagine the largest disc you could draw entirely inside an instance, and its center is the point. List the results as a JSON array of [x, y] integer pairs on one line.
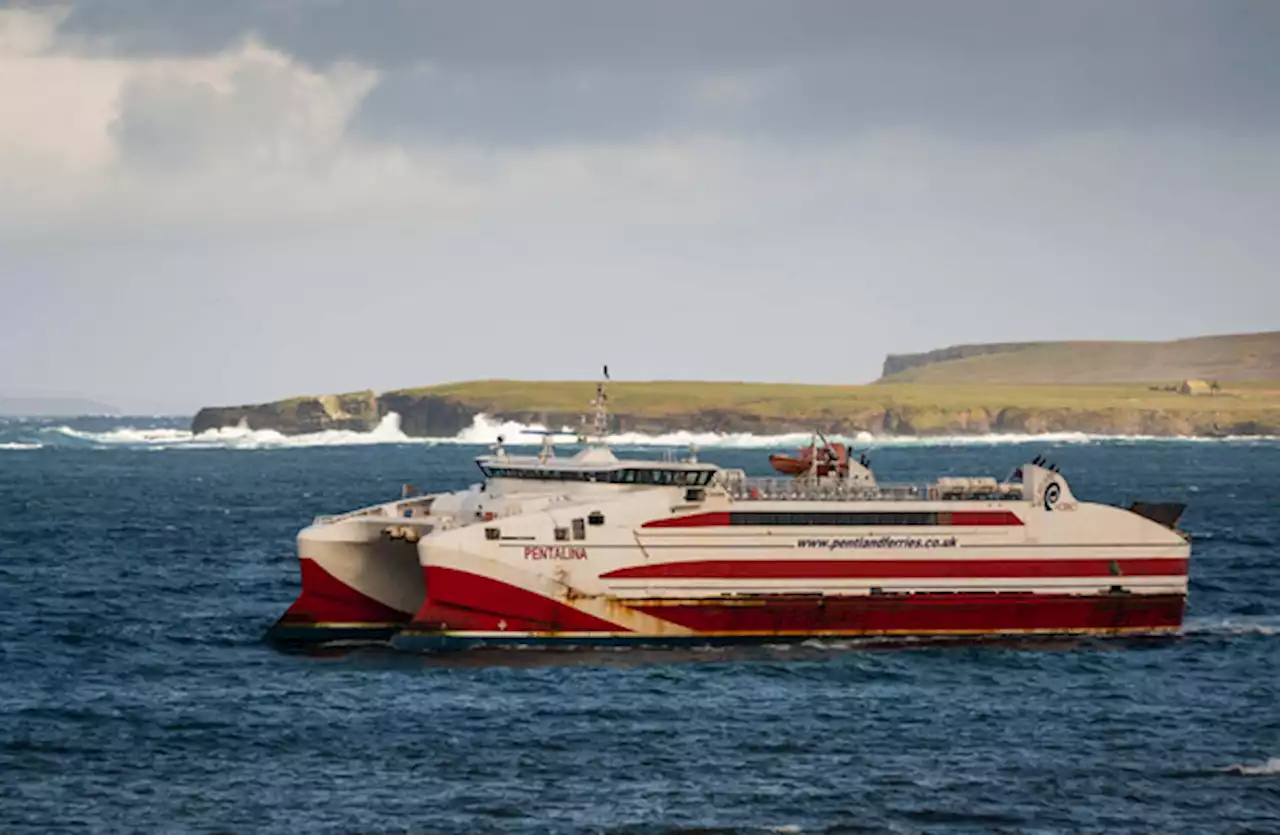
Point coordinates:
[[1268, 626], [19, 446], [485, 430], [234, 437], [1270, 768]]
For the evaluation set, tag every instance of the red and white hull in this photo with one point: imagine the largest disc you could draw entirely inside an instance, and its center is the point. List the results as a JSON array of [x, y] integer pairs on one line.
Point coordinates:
[[656, 569], [358, 584]]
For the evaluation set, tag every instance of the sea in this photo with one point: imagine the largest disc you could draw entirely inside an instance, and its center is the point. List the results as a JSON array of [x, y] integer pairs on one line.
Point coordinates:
[[140, 567]]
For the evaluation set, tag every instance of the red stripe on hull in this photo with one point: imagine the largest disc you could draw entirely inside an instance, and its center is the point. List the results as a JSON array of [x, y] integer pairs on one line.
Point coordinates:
[[698, 520], [746, 569], [927, 614], [460, 600], [981, 518], [326, 599]]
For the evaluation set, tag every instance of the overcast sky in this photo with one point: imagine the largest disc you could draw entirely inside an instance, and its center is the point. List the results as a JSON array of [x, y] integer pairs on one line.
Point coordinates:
[[216, 202]]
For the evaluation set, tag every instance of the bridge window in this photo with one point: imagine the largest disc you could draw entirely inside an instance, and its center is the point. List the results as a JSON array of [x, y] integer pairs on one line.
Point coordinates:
[[683, 478]]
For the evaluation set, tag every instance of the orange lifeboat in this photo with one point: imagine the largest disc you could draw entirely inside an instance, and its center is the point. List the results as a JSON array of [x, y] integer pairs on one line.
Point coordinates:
[[831, 458]]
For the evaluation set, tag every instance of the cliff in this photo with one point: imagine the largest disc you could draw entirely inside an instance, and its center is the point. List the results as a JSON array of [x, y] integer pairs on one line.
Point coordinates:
[[357, 411], [762, 408], [1233, 358]]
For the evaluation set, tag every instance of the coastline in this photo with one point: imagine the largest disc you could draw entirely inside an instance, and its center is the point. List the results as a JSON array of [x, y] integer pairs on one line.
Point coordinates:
[[758, 409]]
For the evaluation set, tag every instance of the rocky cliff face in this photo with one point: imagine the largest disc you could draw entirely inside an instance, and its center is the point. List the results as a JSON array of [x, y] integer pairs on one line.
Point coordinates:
[[357, 411], [442, 417]]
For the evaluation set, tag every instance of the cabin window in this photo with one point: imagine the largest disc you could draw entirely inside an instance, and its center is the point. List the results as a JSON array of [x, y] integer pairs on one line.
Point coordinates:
[[562, 534], [835, 518], [579, 528], [694, 494], [491, 533], [595, 517], [628, 476]]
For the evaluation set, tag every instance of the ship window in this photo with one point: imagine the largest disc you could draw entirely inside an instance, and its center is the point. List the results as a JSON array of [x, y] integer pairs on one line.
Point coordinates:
[[834, 519], [579, 529], [491, 533], [628, 476], [562, 534], [595, 517]]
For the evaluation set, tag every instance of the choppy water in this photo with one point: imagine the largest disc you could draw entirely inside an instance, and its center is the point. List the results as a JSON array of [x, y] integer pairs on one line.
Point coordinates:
[[136, 695]]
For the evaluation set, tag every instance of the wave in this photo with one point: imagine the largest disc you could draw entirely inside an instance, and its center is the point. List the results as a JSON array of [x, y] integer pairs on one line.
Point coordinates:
[[1266, 769], [1232, 626], [234, 437], [485, 430]]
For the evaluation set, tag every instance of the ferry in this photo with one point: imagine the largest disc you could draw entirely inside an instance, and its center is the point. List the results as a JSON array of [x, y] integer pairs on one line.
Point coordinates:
[[594, 549]]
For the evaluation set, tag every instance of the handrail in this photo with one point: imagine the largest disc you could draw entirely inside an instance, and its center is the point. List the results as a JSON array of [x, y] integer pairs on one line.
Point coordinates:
[[743, 488]]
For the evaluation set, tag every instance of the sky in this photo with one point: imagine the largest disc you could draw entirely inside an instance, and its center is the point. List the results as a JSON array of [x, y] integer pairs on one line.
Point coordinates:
[[213, 203]]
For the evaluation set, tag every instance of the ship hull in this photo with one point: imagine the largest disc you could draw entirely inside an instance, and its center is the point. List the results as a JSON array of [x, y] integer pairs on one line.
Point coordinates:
[[357, 588], [466, 610]]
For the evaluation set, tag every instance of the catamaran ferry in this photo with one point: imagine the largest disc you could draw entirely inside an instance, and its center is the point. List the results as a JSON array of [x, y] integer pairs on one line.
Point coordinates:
[[594, 549]]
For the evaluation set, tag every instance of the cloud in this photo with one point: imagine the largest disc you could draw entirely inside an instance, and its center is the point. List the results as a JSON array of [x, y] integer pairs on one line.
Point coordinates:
[[567, 70], [239, 140], [231, 201], [248, 105]]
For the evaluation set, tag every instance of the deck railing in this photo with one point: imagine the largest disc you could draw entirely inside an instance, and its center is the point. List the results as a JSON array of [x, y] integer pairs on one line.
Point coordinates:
[[403, 509], [743, 488]]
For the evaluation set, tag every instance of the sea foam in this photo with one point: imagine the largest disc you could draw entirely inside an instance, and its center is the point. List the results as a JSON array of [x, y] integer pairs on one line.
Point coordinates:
[[485, 430], [1232, 626], [1270, 768]]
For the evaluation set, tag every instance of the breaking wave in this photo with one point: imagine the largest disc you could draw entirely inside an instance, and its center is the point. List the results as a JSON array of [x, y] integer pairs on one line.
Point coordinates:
[[485, 430], [1232, 626], [234, 437], [1265, 769]]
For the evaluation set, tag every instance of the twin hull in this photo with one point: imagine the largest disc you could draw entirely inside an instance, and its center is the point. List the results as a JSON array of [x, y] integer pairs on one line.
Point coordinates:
[[647, 568]]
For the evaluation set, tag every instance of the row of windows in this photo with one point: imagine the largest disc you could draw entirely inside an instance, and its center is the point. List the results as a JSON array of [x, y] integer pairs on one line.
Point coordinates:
[[683, 478], [833, 518]]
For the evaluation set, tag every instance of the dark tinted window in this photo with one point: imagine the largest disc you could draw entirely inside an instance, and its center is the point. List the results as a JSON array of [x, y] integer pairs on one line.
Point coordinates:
[[833, 518]]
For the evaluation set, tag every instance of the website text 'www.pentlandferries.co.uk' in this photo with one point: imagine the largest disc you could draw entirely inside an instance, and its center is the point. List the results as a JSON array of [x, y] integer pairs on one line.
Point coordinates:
[[881, 542]]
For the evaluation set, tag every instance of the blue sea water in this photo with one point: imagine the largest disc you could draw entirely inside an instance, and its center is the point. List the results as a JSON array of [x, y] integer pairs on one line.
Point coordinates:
[[139, 569]]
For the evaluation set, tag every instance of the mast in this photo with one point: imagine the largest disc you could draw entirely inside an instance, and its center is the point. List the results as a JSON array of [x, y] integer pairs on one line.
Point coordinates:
[[600, 426]]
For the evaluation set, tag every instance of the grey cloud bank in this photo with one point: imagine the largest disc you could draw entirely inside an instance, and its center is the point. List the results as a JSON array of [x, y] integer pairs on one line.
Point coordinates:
[[234, 201]]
